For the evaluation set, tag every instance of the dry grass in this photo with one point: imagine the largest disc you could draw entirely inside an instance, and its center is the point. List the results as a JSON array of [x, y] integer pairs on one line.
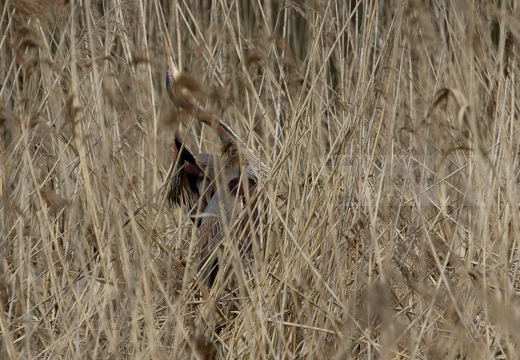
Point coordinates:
[[390, 222]]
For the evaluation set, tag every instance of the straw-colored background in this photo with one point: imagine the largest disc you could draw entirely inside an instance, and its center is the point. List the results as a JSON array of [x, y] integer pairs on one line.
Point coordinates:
[[390, 222]]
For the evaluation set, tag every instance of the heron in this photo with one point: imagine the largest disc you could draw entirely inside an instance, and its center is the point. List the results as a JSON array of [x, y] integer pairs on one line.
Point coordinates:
[[217, 190]]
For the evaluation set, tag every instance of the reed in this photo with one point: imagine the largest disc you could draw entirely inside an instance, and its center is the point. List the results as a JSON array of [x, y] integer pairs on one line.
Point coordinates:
[[389, 218]]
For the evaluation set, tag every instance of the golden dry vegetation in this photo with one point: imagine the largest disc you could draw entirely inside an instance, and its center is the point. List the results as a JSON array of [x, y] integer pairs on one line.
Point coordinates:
[[389, 223]]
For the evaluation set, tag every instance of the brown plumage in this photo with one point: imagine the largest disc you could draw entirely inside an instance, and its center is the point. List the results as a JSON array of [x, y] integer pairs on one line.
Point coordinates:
[[210, 196], [226, 208], [217, 191], [192, 181]]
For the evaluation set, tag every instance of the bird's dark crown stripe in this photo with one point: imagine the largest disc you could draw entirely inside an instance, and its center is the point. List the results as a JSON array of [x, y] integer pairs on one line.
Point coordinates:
[[228, 130]]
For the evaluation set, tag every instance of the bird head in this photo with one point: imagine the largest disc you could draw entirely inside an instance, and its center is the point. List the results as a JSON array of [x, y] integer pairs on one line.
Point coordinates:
[[172, 73]]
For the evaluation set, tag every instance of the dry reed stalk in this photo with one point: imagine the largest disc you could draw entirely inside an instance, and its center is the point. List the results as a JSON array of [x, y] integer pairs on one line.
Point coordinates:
[[391, 132]]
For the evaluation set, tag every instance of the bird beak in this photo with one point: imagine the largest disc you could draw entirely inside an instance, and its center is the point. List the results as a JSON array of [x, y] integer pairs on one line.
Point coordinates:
[[171, 64]]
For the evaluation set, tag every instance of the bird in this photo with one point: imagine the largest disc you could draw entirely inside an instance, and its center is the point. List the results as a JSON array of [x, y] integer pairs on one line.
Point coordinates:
[[192, 181], [218, 191]]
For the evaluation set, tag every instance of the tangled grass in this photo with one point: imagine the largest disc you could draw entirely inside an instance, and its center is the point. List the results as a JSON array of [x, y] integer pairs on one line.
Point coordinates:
[[390, 222]]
